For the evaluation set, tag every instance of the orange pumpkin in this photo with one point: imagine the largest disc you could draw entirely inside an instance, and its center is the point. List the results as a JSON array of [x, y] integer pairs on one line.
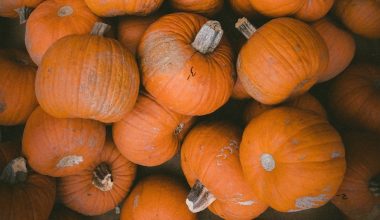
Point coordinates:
[[8, 8], [354, 197], [293, 160], [54, 19], [210, 155], [205, 7], [285, 54], [243, 7], [355, 98], [101, 186], [17, 96], [87, 76], [360, 16], [157, 197], [191, 77], [121, 7], [313, 10], [61, 147], [239, 91], [341, 48]]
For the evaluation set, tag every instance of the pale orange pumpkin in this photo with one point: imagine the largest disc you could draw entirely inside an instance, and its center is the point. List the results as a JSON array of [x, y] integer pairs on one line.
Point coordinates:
[[205, 7]]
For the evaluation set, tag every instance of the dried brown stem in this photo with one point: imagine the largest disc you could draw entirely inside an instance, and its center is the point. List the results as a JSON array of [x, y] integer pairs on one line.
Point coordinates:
[[199, 198], [102, 178], [208, 37], [245, 27]]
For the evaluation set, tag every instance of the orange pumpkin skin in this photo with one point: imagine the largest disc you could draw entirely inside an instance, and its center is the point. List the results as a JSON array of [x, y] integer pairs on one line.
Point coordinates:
[[205, 7], [122, 7], [243, 7], [54, 19], [354, 198], [8, 7], [239, 92], [79, 194], [210, 153], [17, 96], [32, 199], [178, 76], [289, 51], [341, 48], [355, 99], [314, 10], [103, 78], [282, 143], [360, 16], [163, 196], [61, 147], [149, 134]]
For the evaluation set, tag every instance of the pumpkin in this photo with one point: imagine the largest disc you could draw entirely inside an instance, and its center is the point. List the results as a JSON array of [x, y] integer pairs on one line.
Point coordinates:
[[61, 147], [17, 96], [61, 212], [355, 98], [243, 8], [358, 196], [121, 7], [150, 134], [186, 63], [101, 186], [162, 195], [54, 19], [341, 48], [360, 16], [24, 193], [210, 162], [293, 159], [314, 9], [289, 51], [238, 91], [15, 8], [205, 7], [87, 76]]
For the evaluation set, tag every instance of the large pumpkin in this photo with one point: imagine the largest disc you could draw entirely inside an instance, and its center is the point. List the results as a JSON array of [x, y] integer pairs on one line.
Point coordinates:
[[101, 186], [61, 147], [87, 76], [191, 77], [9, 8], [293, 160], [210, 161], [282, 59], [24, 193], [205, 7], [358, 196], [54, 19], [355, 97], [17, 96], [157, 197]]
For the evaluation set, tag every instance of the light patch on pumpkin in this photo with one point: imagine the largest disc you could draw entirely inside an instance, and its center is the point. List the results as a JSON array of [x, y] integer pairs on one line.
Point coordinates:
[[247, 203], [267, 162], [69, 161], [136, 201], [226, 151], [335, 155], [149, 148], [92, 141], [309, 202], [295, 141]]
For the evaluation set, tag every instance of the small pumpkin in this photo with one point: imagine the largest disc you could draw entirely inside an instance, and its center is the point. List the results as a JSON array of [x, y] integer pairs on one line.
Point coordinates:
[[205, 7], [163, 196], [101, 186], [54, 19], [88, 76], [17, 96], [293, 159], [61, 147], [186, 63], [15, 8]]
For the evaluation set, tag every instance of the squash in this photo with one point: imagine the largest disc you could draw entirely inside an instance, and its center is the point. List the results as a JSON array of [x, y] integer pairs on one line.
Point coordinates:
[[210, 162], [101, 186], [239, 92], [24, 193], [17, 96], [163, 196], [151, 134], [293, 160], [18, 8], [190, 77], [54, 19], [289, 51], [313, 10], [205, 7], [243, 8], [61, 147], [88, 76]]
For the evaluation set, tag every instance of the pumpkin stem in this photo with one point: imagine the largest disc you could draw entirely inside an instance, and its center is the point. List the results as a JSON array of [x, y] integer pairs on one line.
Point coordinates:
[[374, 186], [15, 171], [100, 28], [245, 27], [179, 129], [199, 198], [208, 37], [102, 178], [23, 14]]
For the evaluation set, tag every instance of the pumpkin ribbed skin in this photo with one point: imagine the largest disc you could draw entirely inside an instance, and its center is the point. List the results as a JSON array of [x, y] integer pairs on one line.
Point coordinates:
[[87, 76], [80, 194], [314, 9], [205, 7], [210, 153], [17, 96], [54, 19], [238, 91], [163, 196], [282, 153], [243, 7], [61, 147], [289, 51], [8, 7], [176, 74]]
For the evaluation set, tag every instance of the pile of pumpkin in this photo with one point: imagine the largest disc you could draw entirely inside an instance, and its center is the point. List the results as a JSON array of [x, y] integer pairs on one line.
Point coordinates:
[[274, 146]]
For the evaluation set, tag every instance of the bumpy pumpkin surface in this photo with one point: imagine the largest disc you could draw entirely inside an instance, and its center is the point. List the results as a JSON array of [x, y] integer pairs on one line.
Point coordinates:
[[205, 7], [8, 8], [243, 7]]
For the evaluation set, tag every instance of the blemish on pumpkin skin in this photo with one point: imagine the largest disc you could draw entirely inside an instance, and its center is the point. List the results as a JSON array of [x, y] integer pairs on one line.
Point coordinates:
[[226, 151], [295, 141], [69, 161], [335, 155], [247, 203], [308, 202], [136, 201], [2, 107]]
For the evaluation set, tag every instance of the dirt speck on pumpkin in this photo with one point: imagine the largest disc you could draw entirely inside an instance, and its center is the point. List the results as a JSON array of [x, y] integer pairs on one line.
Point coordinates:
[[136, 201], [2, 107], [335, 155], [308, 202], [69, 161]]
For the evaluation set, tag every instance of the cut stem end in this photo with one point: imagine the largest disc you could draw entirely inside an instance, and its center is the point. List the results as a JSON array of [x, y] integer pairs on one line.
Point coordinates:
[[199, 198], [100, 29], [245, 27], [15, 171], [102, 178], [23, 14], [208, 37]]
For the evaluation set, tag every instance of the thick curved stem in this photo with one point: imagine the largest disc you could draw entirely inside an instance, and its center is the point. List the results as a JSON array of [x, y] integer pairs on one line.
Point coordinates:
[[245, 27], [374, 186], [208, 37], [23, 14], [199, 198], [102, 178], [100, 29], [15, 171]]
